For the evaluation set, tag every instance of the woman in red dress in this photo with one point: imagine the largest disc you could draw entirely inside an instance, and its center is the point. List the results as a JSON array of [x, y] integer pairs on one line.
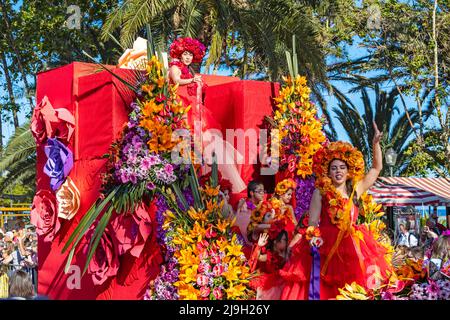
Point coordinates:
[[185, 51], [348, 252]]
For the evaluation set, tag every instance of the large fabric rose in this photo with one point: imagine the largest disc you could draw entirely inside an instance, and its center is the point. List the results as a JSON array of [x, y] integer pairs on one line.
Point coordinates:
[[105, 261], [59, 163], [68, 199], [48, 122], [132, 231], [44, 215]]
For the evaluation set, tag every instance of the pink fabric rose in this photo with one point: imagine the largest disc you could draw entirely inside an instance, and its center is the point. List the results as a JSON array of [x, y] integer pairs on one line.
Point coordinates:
[[48, 122], [105, 261], [44, 215], [132, 231]]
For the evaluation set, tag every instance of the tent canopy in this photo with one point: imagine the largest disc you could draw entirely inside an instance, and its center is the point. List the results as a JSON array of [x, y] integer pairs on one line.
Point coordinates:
[[400, 191]]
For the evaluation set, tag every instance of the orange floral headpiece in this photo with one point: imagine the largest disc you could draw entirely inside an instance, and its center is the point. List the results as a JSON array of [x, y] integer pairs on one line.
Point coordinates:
[[343, 151], [283, 186]]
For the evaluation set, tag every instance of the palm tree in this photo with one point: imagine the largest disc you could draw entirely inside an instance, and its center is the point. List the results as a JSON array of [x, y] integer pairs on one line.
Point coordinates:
[[260, 31], [398, 133], [18, 160]]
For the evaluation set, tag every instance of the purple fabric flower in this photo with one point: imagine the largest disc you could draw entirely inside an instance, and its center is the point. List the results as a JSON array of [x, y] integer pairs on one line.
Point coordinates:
[[59, 163]]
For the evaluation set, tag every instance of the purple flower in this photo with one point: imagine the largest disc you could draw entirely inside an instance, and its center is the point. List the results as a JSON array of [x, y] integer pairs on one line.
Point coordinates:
[[303, 195], [433, 288], [168, 169], [59, 163], [151, 186]]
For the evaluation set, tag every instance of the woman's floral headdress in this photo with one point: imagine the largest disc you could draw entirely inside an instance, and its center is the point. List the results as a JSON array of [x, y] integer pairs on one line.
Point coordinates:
[[283, 186], [194, 46], [343, 151]]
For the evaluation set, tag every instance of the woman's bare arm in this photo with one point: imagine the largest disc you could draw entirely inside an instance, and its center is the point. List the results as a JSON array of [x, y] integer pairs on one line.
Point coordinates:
[[315, 208], [377, 164]]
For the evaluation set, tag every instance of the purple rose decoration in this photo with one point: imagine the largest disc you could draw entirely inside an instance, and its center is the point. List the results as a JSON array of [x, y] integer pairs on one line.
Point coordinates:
[[59, 163]]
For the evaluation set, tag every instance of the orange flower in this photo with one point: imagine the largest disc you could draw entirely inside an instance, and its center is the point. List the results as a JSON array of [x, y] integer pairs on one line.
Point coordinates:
[[161, 140]]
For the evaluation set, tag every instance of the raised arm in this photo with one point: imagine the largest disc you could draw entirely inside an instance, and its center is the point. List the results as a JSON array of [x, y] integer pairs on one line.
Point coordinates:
[[315, 208], [377, 164]]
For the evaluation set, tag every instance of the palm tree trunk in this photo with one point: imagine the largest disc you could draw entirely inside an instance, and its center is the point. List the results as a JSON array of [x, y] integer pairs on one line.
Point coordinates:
[[11, 43], [10, 89]]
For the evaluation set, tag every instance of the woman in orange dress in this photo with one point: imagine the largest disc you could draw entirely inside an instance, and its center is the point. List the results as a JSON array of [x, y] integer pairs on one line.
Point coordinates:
[[184, 52], [347, 252]]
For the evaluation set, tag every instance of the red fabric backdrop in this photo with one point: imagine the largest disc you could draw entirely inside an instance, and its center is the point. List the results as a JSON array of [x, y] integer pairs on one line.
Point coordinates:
[[100, 107]]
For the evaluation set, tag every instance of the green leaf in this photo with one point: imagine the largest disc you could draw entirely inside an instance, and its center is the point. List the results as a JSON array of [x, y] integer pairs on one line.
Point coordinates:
[[97, 236], [214, 171], [180, 196], [129, 85], [83, 226]]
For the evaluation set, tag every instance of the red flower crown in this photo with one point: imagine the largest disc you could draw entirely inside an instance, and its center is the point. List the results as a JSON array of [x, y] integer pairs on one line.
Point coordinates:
[[194, 46]]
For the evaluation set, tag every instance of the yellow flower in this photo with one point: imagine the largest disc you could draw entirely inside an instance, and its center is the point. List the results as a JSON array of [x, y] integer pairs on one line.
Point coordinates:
[[234, 250], [189, 274], [210, 191], [222, 225], [188, 292], [235, 291]]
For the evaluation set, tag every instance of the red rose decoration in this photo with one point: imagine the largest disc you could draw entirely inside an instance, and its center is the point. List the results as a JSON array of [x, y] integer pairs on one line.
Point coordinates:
[[105, 261], [132, 231], [44, 215]]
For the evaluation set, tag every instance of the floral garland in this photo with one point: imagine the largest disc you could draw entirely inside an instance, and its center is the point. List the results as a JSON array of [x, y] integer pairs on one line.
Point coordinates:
[[205, 259], [355, 162], [300, 128]]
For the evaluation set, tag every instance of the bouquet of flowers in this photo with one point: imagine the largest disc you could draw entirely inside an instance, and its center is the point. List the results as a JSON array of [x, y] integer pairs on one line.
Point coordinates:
[[204, 258], [140, 163]]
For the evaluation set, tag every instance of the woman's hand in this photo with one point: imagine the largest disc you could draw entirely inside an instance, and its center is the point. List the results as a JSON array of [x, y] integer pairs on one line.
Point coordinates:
[[316, 242], [197, 78], [377, 134], [263, 239]]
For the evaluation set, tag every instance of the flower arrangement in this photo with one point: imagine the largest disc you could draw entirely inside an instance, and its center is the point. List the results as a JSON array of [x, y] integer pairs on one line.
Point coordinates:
[[299, 126], [139, 163], [205, 258]]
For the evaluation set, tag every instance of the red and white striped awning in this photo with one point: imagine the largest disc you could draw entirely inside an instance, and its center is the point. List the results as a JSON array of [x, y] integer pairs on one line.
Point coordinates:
[[411, 191]]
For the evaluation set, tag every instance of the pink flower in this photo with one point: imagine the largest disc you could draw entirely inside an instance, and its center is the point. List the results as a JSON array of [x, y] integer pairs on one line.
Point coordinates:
[[210, 233], [105, 261], [218, 270], [202, 244], [44, 215], [160, 98], [204, 291], [203, 255], [202, 280], [48, 122], [217, 293], [168, 169], [203, 267], [215, 259]]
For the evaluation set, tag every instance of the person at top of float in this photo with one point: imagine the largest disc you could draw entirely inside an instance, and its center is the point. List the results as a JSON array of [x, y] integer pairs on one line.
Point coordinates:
[[184, 52], [348, 252]]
